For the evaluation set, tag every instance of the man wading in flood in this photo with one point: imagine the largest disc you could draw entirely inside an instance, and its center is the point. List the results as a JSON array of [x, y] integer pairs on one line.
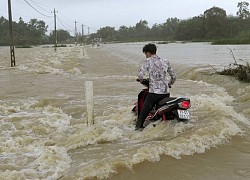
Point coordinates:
[[157, 69]]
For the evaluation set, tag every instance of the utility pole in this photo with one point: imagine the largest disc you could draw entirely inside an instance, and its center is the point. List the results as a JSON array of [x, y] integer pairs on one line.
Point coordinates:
[[82, 30], [82, 33], [12, 48], [88, 30], [55, 29], [75, 34]]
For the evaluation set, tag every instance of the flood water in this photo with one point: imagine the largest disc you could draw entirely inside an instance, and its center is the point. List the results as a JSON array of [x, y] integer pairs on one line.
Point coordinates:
[[43, 125]]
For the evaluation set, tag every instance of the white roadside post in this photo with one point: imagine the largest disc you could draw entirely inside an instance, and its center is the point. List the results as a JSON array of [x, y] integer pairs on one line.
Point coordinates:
[[89, 102]]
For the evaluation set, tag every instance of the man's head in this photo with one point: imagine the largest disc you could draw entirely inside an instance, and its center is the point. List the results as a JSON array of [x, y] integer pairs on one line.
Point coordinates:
[[149, 50]]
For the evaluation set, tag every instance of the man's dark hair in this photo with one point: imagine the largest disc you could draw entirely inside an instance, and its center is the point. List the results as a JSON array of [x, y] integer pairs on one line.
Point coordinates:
[[151, 48]]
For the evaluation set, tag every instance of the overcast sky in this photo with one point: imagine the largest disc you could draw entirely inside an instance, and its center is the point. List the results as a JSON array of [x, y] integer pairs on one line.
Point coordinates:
[[100, 13]]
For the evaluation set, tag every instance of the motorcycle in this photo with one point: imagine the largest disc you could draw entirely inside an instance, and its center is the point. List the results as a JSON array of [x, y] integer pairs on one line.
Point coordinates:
[[169, 108]]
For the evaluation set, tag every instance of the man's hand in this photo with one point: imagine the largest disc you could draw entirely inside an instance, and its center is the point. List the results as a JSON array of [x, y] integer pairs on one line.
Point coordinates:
[[139, 80]]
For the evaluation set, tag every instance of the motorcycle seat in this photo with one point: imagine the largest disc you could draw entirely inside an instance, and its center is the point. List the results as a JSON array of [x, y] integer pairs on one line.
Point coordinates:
[[166, 100], [172, 100]]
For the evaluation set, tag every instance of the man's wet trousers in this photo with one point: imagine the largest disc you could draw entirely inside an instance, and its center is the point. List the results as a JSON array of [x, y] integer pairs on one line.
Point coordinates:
[[150, 101]]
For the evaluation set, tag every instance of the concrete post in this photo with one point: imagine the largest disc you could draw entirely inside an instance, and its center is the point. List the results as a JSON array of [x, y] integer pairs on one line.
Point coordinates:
[[89, 102]]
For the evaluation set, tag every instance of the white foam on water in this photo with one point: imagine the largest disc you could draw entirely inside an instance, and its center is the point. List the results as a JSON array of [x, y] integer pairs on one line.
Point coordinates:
[[215, 122], [42, 140], [22, 67], [75, 71], [64, 61], [85, 54], [28, 143]]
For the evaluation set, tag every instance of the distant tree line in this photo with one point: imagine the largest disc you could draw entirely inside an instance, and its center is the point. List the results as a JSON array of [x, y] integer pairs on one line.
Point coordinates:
[[30, 33], [24, 33], [213, 25]]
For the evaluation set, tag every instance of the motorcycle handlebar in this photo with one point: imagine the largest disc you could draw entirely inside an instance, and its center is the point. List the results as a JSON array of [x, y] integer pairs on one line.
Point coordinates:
[[144, 82]]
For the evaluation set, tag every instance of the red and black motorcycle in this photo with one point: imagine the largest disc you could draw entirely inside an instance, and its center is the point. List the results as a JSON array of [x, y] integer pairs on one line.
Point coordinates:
[[169, 108]]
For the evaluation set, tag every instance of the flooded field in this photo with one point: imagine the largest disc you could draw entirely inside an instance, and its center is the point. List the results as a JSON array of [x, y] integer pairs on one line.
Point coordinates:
[[44, 134]]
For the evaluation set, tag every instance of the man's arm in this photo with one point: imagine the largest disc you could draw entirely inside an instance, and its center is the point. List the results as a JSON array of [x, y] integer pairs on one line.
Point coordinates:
[[143, 70], [172, 74]]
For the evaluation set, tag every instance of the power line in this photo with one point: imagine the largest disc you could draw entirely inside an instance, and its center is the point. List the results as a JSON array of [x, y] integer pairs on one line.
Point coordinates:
[[50, 23], [36, 9], [59, 27], [79, 23], [63, 24], [40, 6], [90, 27], [44, 5], [20, 1], [25, 15]]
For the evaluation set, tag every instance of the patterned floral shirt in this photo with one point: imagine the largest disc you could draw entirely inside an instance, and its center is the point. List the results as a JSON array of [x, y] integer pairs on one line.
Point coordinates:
[[157, 69]]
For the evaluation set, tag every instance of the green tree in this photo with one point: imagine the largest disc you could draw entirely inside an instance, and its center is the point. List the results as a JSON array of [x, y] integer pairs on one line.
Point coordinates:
[[142, 29], [215, 23], [234, 26], [38, 25], [62, 36], [243, 16], [22, 32], [156, 32], [170, 27], [107, 33], [123, 33], [243, 11], [4, 33]]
